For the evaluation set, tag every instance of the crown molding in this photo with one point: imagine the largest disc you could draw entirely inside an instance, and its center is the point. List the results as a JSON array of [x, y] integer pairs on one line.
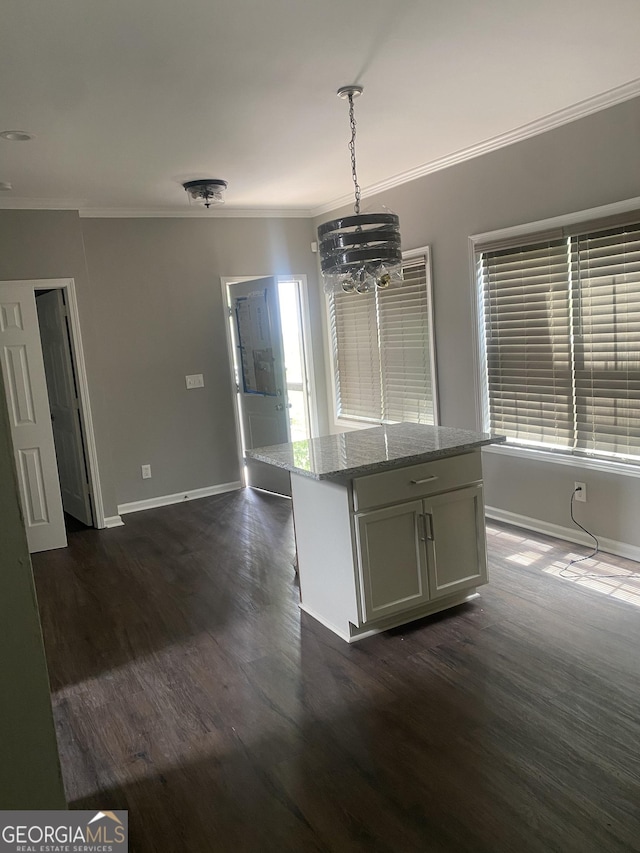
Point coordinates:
[[582, 109], [196, 213], [41, 203], [534, 128], [86, 212]]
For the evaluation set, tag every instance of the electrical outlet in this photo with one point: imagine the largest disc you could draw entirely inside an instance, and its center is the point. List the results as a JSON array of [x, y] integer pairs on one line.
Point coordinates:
[[146, 472], [582, 494]]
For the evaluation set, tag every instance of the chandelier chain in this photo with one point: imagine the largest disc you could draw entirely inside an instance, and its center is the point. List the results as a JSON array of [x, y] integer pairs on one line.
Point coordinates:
[[352, 149]]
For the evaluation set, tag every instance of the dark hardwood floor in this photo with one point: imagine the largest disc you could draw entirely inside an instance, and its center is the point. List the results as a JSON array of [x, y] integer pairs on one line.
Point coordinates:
[[189, 689]]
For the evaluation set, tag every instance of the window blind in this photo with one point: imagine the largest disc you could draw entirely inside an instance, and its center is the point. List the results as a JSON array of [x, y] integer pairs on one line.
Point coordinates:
[[605, 270], [405, 347], [354, 328], [562, 341], [527, 335], [382, 351]]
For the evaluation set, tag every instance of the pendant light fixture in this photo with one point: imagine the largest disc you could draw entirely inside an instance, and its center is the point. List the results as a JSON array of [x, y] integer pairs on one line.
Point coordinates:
[[362, 252], [206, 191]]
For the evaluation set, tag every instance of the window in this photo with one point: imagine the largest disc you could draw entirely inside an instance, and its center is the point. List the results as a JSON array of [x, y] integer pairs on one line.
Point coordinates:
[[382, 346], [561, 317]]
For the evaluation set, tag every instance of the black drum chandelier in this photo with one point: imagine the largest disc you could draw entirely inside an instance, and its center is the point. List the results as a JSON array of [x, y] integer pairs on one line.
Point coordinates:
[[359, 253]]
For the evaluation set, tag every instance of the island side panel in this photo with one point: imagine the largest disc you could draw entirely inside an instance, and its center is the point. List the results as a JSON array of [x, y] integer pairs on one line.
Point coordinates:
[[325, 552]]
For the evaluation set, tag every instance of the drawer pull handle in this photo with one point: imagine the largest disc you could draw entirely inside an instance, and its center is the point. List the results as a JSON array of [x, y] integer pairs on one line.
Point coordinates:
[[425, 480]]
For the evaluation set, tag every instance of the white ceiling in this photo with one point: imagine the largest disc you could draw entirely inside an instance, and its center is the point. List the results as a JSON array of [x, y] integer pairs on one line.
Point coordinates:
[[128, 98]]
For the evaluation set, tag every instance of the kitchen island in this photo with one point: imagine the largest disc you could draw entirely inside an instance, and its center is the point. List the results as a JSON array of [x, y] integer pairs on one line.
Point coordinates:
[[389, 523]]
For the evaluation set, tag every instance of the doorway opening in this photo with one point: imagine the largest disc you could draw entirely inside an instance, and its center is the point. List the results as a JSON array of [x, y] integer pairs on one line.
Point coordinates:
[[268, 333], [63, 393], [293, 341], [47, 397]]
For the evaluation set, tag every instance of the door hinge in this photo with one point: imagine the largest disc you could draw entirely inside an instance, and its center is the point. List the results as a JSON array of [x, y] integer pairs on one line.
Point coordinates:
[[230, 310]]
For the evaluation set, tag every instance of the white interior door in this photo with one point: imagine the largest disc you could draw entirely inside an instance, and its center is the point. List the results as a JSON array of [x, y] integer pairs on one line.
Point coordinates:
[[30, 420], [261, 376], [64, 405]]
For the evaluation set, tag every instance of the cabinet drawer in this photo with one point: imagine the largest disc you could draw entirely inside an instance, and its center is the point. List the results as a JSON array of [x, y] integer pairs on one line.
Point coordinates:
[[416, 481]]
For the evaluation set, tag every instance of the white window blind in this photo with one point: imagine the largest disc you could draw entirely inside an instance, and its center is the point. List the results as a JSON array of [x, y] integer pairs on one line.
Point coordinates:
[[605, 267], [354, 328], [527, 340], [382, 351], [562, 341]]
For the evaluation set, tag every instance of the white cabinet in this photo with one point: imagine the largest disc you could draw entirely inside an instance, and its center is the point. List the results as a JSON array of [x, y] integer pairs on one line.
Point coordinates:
[[455, 541], [416, 552], [391, 560], [387, 548]]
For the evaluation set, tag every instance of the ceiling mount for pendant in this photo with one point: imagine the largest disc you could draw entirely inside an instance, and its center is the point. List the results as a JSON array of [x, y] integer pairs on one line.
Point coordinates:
[[344, 92], [359, 253], [207, 191]]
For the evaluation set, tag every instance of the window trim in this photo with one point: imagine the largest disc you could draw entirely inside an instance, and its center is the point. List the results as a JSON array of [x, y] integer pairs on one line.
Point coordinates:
[[512, 234], [340, 423]]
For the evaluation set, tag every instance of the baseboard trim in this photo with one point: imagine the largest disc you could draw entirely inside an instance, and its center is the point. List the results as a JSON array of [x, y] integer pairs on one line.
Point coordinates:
[[179, 497], [113, 521], [609, 546], [354, 633], [334, 628]]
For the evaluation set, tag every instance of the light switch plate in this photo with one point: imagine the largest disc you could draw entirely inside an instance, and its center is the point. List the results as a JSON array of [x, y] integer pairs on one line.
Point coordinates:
[[195, 380]]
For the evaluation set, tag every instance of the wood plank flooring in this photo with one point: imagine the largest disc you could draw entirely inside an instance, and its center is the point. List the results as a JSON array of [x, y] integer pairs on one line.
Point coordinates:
[[189, 688]]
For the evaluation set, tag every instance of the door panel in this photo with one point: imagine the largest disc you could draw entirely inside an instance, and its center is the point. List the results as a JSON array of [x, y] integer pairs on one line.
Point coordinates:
[[392, 560], [64, 405], [30, 420], [261, 380], [264, 430], [32, 478], [19, 385], [456, 550]]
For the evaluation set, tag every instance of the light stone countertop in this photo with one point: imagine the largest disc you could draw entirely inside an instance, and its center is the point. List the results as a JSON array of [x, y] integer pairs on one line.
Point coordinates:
[[367, 451]]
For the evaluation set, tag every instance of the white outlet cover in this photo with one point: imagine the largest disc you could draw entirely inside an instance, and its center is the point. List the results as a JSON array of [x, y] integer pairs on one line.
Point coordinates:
[[195, 380]]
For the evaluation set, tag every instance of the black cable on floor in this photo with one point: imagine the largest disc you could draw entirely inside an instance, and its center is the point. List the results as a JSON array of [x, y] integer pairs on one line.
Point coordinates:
[[592, 576]]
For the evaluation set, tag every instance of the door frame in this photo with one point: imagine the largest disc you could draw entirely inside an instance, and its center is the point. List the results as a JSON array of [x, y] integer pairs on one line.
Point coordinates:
[[77, 354], [307, 351]]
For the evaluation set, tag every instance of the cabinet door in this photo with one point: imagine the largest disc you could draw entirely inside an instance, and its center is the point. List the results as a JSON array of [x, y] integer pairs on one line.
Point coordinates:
[[392, 560], [456, 545]]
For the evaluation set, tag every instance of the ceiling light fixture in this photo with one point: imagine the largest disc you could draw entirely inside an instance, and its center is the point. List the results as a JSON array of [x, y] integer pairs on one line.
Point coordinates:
[[6, 186], [16, 135], [206, 191], [362, 252]]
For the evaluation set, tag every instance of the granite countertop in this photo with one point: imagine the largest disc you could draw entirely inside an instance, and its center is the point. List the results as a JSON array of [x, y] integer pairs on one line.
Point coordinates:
[[367, 451]]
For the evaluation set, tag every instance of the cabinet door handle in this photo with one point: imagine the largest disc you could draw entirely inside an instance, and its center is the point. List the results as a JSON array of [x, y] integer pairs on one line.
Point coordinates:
[[424, 480], [428, 526]]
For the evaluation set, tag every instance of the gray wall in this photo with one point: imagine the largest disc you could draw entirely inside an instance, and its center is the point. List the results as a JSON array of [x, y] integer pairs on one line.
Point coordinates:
[[29, 768], [150, 306], [585, 164], [43, 244], [155, 285]]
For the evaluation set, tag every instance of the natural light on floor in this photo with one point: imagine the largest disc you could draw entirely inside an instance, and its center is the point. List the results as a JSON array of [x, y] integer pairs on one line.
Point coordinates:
[[616, 577]]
